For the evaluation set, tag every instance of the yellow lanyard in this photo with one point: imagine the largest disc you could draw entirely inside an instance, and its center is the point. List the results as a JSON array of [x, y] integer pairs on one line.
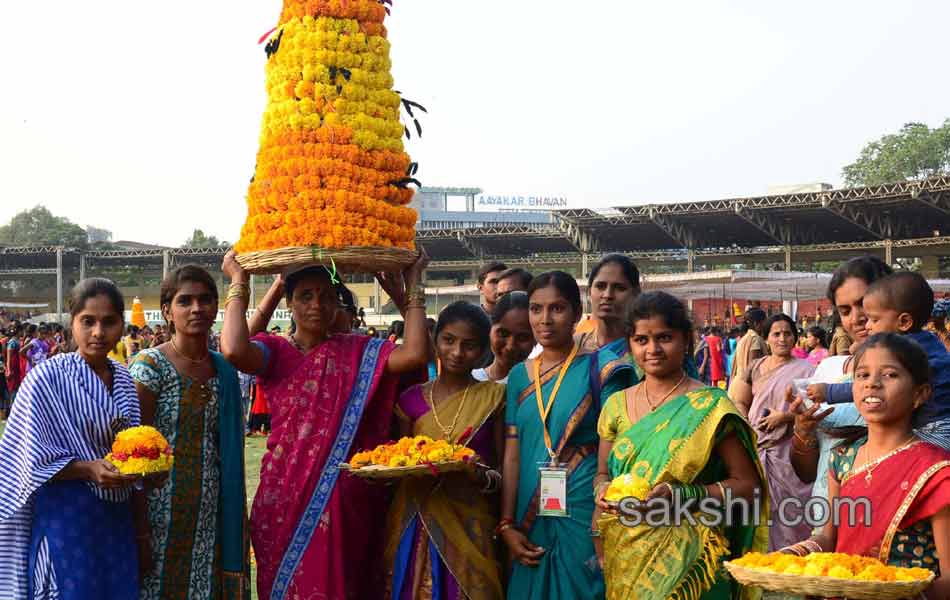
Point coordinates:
[[544, 411]]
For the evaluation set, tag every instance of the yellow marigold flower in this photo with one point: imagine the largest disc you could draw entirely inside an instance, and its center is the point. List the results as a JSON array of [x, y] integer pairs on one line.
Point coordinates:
[[795, 569], [841, 572], [911, 574], [361, 459], [399, 461], [463, 453]]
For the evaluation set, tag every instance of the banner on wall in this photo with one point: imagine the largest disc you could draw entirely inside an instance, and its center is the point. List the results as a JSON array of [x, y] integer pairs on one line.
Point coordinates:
[[155, 316]]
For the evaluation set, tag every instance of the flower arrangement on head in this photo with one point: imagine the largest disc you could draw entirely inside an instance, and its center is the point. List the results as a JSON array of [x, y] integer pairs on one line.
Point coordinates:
[[830, 564], [331, 169], [412, 451], [141, 451]]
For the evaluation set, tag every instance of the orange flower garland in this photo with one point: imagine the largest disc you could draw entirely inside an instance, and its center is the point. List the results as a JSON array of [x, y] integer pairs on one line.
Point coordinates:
[[331, 154]]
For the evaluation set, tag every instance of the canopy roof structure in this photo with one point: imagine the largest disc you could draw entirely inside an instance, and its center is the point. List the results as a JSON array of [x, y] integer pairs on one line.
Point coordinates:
[[906, 219], [900, 219], [748, 285]]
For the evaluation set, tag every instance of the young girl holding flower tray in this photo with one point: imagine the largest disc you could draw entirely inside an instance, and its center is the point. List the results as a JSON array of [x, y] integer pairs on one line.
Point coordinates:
[[439, 529], [906, 480]]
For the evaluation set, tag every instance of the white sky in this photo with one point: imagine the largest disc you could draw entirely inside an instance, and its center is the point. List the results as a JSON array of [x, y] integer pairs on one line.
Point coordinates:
[[143, 118]]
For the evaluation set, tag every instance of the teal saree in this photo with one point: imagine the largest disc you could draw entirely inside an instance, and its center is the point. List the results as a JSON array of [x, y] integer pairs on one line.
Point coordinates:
[[569, 567]]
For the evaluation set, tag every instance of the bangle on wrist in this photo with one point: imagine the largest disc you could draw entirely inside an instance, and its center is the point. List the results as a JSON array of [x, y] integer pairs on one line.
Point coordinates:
[[722, 490], [506, 523]]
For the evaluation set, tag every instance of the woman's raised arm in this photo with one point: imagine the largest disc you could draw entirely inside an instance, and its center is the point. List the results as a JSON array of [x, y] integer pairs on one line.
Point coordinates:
[[236, 343], [406, 292], [265, 310]]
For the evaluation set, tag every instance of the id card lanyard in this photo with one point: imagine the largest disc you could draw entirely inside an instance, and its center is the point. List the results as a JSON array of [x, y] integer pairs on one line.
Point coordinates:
[[553, 497]]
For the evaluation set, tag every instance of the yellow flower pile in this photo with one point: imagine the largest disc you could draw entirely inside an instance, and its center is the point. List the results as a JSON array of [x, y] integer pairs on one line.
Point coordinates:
[[331, 168], [412, 451], [830, 564], [141, 451], [627, 486]]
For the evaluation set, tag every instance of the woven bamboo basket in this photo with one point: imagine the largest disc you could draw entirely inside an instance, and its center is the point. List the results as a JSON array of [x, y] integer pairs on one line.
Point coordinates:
[[346, 260], [829, 587], [381, 472]]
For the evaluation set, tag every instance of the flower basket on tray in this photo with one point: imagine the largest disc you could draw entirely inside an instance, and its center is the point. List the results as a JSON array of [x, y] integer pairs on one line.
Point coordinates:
[[829, 575], [332, 180], [415, 456]]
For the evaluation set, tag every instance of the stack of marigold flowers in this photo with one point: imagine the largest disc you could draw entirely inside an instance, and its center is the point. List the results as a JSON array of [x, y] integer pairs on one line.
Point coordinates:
[[830, 564], [412, 451], [331, 168], [141, 451]]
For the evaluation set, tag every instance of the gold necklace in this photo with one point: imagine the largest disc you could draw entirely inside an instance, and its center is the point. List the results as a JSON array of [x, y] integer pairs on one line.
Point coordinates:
[[871, 464], [200, 361], [435, 415], [646, 393]]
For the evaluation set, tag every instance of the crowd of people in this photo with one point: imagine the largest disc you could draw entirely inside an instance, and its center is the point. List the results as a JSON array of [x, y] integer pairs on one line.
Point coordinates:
[[556, 406]]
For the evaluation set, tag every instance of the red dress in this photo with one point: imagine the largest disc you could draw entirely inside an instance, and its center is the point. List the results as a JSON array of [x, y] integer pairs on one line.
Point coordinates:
[[260, 402], [716, 371]]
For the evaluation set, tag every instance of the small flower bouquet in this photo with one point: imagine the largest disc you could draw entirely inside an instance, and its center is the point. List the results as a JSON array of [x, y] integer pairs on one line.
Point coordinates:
[[417, 455], [627, 486], [141, 451], [829, 575]]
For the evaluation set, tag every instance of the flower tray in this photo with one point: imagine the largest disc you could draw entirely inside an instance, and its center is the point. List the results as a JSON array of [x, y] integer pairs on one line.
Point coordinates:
[[828, 587], [429, 469], [346, 260]]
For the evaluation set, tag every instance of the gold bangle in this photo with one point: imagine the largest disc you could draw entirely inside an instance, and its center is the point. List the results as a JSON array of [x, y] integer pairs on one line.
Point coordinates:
[[722, 490], [416, 297], [236, 296]]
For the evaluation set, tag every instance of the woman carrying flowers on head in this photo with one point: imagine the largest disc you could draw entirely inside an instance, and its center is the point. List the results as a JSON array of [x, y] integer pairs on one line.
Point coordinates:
[[905, 480], [551, 422], [439, 530], [317, 533], [198, 537], [66, 521], [673, 435]]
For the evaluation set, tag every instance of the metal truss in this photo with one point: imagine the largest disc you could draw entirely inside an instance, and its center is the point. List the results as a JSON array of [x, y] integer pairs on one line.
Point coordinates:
[[122, 254], [680, 233], [779, 233], [939, 240], [33, 250], [866, 218], [542, 231], [198, 252], [22, 272], [582, 239], [475, 249], [937, 200]]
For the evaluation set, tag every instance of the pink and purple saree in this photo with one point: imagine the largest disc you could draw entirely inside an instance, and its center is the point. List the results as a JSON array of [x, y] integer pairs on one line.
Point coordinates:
[[317, 533]]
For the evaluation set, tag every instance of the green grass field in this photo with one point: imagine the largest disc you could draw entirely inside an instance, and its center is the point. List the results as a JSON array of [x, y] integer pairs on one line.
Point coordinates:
[[253, 453]]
